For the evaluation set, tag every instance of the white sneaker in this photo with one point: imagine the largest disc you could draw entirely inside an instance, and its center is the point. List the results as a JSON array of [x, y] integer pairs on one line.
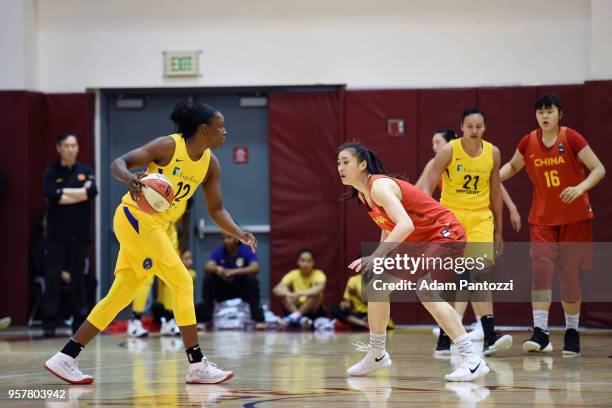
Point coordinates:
[[372, 361], [468, 369], [67, 368], [206, 372], [135, 329], [477, 333], [169, 328], [305, 322]]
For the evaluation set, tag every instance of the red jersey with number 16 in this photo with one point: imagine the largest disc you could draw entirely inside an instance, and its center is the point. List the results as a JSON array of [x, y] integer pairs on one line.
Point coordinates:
[[551, 170]]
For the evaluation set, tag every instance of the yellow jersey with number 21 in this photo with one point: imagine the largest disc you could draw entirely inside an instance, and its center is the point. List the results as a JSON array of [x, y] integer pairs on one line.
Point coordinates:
[[466, 180]]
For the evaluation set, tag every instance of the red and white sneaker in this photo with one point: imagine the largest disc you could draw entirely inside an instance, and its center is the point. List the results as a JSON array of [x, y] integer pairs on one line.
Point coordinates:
[[206, 372], [67, 368]]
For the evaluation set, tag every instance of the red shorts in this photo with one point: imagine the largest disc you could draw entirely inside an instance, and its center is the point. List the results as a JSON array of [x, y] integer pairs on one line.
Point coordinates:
[[577, 235], [566, 249]]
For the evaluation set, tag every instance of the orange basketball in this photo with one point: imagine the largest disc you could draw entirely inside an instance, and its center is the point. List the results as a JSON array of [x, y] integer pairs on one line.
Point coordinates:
[[157, 195]]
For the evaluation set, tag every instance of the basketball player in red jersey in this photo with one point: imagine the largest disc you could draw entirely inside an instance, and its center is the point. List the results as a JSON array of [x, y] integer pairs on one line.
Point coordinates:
[[554, 157], [405, 215]]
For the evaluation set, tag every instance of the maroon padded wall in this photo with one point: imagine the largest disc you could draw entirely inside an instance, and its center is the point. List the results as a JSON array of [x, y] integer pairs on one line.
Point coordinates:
[[28, 125], [305, 209]]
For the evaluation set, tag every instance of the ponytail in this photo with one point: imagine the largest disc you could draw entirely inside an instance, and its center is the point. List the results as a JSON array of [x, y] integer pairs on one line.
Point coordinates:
[[374, 164], [188, 118]]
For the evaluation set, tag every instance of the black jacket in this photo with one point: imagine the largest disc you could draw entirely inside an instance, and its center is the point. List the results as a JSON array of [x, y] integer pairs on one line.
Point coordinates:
[[68, 222]]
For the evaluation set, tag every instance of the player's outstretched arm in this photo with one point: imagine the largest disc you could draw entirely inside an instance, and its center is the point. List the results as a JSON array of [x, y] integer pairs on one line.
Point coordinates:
[[382, 194], [515, 217], [497, 204], [429, 178], [597, 171], [159, 150], [421, 181], [216, 210], [516, 164]]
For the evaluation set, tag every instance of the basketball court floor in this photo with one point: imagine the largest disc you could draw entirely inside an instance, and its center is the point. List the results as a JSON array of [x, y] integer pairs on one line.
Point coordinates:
[[280, 369]]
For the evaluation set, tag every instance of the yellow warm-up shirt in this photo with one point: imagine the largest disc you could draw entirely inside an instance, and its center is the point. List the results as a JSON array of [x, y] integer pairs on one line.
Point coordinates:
[[297, 282], [352, 293]]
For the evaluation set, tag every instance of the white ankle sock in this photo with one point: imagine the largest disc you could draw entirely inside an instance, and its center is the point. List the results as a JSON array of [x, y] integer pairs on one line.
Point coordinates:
[[464, 345], [478, 322], [295, 315], [571, 321], [377, 342], [540, 319]]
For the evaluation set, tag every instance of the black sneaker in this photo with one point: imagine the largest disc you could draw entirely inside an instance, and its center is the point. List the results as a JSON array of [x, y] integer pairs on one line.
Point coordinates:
[[495, 343], [443, 346], [571, 343], [539, 342]]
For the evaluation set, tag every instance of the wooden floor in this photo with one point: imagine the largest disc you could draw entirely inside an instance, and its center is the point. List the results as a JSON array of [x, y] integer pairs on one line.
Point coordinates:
[[305, 369]]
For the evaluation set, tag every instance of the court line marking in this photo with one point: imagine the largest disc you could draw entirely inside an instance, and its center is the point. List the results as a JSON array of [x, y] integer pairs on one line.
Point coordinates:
[[2, 377]]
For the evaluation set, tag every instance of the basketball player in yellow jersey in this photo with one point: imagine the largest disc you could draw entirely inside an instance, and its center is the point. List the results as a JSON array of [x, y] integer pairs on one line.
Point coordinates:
[[164, 295], [186, 159], [471, 188]]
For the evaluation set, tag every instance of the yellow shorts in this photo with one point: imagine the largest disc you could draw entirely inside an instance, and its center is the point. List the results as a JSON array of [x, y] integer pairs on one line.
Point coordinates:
[[145, 249], [145, 245], [479, 227]]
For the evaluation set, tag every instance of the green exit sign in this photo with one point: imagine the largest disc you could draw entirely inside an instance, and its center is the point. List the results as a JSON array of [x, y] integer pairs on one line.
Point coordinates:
[[181, 63]]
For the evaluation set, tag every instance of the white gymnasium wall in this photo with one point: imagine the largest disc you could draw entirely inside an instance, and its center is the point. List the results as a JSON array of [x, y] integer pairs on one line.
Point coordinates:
[[18, 44], [601, 39], [388, 43]]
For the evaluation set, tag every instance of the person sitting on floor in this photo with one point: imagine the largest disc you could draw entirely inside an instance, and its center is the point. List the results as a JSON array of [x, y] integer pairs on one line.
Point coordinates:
[[301, 291], [352, 310]]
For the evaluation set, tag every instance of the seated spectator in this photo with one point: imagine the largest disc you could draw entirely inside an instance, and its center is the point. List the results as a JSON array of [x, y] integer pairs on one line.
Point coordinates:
[[231, 272], [352, 310], [301, 291]]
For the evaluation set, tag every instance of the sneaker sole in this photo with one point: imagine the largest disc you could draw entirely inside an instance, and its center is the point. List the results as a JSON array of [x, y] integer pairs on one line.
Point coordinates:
[[85, 381], [386, 364], [227, 378], [504, 343], [533, 347], [442, 352], [568, 353], [482, 370]]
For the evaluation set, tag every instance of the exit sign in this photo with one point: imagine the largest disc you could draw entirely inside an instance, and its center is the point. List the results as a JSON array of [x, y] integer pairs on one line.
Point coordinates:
[[181, 63]]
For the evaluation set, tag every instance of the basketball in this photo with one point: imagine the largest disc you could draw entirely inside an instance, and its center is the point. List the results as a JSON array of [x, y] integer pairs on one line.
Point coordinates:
[[157, 195]]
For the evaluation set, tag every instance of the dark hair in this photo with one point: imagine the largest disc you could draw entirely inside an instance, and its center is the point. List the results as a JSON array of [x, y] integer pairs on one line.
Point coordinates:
[[374, 164], [306, 251], [187, 118], [63, 136], [472, 111], [447, 134], [547, 101]]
